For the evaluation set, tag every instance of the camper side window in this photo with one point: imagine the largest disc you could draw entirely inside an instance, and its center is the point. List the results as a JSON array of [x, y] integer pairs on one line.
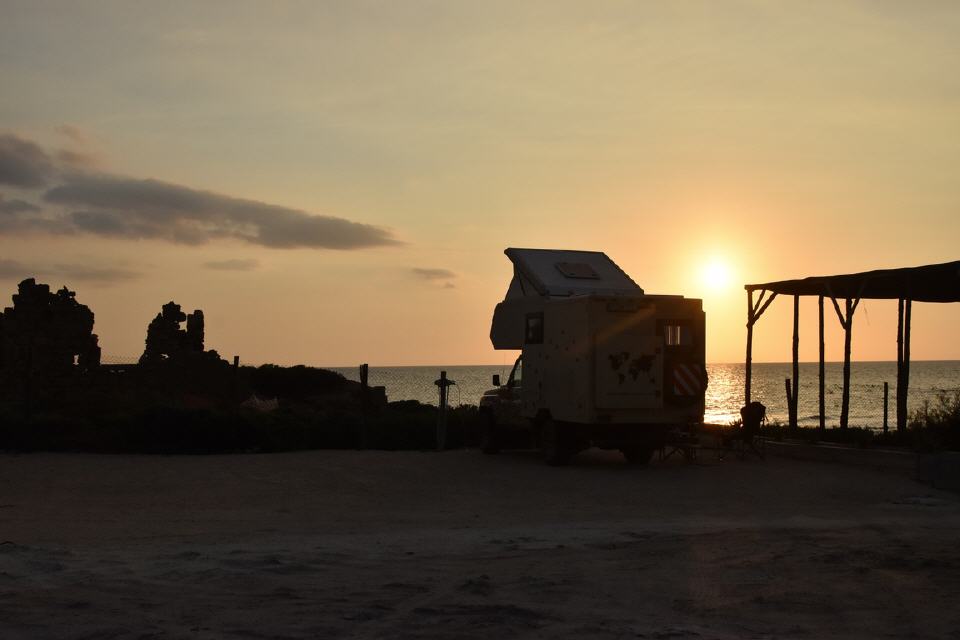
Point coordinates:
[[534, 330]]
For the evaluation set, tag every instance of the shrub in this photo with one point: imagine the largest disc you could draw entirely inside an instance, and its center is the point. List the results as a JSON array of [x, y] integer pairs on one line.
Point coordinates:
[[938, 425]]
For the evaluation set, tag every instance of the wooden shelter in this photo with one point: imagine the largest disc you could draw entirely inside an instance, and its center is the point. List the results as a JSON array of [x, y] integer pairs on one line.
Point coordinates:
[[930, 283]]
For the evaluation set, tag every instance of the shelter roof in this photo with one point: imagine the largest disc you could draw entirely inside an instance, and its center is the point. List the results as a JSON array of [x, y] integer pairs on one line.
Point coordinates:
[[929, 283], [557, 272]]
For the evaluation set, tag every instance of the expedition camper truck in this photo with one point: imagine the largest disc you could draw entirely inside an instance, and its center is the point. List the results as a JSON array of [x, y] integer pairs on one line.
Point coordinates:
[[602, 364]]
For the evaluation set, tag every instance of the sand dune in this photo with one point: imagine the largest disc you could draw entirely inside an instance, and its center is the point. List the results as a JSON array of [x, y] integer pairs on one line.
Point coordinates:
[[457, 545]]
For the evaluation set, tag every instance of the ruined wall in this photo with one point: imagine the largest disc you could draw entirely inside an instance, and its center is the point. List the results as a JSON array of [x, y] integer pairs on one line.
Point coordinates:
[[46, 333], [166, 341]]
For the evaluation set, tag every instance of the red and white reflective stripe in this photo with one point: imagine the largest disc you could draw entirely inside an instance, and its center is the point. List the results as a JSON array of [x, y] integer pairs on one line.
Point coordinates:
[[687, 380]]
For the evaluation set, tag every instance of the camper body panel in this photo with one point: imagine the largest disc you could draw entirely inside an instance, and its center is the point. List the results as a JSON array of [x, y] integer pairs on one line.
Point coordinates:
[[601, 360]]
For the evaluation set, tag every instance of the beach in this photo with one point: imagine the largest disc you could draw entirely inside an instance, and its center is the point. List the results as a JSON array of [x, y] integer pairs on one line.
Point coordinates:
[[365, 544]]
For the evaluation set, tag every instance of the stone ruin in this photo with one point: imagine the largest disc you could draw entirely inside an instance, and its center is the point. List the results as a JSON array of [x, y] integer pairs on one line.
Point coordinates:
[[166, 341], [47, 333]]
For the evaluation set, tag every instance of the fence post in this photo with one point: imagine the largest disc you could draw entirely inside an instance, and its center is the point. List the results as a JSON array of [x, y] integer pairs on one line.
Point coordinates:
[[791, 405], [886, 397], [364, 391], [443, 383], [234, 384]]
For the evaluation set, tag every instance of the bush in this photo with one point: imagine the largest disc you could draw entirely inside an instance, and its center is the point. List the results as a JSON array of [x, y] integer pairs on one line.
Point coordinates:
[[170, 429], [295, 382], [938, 426]]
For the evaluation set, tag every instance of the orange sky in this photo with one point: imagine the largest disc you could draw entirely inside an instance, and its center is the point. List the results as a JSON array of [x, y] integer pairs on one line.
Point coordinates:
[[175, 151]]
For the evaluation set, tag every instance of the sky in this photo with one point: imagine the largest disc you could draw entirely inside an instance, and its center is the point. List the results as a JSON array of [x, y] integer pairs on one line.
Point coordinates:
[[335, 182]]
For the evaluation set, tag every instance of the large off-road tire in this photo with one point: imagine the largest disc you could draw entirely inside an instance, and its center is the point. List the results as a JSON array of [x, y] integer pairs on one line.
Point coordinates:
[[637, 455], [489, 437], [553, 443]]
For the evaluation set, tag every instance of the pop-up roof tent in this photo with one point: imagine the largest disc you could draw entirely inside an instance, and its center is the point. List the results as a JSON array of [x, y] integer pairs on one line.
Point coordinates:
[[557, 272], [540, 274]]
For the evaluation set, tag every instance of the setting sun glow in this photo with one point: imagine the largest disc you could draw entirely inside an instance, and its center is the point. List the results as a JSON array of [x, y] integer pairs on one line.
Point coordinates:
[[716, 275]]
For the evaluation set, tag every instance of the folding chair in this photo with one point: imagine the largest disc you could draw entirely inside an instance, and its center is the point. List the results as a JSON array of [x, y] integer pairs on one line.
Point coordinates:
[[747, 439], [751, 442], [682, 440]]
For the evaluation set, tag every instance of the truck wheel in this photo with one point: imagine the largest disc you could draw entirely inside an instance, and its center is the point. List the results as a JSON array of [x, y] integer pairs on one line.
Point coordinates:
[[637, 456], [489, 442], [553, 445]]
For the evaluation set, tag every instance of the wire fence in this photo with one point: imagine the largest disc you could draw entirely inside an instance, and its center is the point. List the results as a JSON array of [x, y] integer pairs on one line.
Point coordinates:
[[419, 383], [724, 394]]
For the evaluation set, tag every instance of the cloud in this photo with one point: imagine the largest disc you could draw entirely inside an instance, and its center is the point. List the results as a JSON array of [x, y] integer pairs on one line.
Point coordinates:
[[96, 203], [73, 271], [78, 159], [23, 163], [121, 207], [13, 207], [233, 265], [74, 133], [433, 274]]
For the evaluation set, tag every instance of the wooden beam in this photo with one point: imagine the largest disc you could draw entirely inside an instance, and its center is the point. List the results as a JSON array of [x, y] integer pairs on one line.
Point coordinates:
[[796, 362], [823, 413], [843, 321], [763, 307], [754, 311]]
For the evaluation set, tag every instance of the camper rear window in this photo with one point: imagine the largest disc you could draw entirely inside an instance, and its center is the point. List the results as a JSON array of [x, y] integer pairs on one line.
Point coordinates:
[[676, 335], [534, 331]]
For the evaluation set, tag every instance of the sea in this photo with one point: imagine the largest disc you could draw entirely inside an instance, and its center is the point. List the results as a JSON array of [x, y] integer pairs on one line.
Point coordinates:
[[928, 380]]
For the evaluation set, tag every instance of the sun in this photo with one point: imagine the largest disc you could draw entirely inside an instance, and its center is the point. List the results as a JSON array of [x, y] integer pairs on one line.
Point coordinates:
[[716, 275]]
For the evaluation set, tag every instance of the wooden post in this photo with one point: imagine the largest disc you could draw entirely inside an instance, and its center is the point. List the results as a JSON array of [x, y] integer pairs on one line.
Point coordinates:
[[364, 397], [847, 335], [901, 409], [748, 363], [234, 382], [443, 383], [886, 397], [796, 362], [823, 411], [789, 394], [907, 313]]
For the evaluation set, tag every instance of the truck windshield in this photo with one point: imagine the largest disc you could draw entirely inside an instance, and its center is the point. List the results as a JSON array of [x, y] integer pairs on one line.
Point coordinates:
[[516, 374]]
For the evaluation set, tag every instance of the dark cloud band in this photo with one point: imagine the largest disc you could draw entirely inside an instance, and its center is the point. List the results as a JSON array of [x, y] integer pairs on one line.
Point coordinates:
[[119, 207], [23, 163], [149, 209]]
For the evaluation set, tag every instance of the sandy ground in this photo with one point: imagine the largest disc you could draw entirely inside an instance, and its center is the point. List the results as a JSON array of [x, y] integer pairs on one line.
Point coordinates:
[[455, 545]]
